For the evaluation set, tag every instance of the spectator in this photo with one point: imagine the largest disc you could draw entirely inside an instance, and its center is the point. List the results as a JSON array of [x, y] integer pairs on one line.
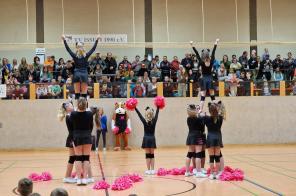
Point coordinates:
[[165, 67], [97, 60], [226, 62], [59, 192], [294, 87], [6, 63], [146, 61], [97, 75], [152, 65], [5, 70], [60, 66], [70, 89], [119, 86], [187, 62], [138, 90], [265, 55], [157, 60], [146, 79], [49, 64], [222, 73], [233, 83], [277, 62], [155, 73], [45, 76], [267, 69], [277, 77], [60, 81], [175, 64], [111, 65], [233, 57], [131, 76], [182, 81], [31, 71], [252, 61], [30, 79], [142, 70], [236, 67], [152, 87], [105, 88], [168, 87], [14, 65], [243, 60], [289, 67], [191, 76], [25, 187], [127, 66], [136, 64], [256, 66], [54, 89], [37, 67], [42, 91]]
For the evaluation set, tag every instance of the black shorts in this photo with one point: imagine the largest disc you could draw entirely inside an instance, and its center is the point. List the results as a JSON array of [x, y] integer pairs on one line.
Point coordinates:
[[194, 139], [206, 83], [80, 76], [149, 142], [69, 142], [78, 141]]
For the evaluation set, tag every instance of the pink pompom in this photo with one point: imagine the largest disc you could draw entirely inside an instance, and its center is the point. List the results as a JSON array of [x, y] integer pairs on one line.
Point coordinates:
[[131, 104], [46, 176], [135, 177], [162, 172], [122, 183], [127, 130], [229, 174], [208, 171], [159, 101], [175, 171], [102, 184], [35, 177], [183, 170], [115, 130], [191, 169]]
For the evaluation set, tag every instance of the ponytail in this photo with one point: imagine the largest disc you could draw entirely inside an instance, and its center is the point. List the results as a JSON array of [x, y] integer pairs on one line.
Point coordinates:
[[62, 112]]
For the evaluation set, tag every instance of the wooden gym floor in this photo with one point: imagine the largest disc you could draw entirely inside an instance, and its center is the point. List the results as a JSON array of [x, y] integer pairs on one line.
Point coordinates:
[[269, 170]]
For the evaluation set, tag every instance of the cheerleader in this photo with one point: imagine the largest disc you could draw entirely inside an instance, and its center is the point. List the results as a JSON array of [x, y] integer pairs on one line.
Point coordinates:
[[206, 81], [64, 112], [82, 124], [149, 143], [194, 141], [101, 123], [80, 58], [214, 138]]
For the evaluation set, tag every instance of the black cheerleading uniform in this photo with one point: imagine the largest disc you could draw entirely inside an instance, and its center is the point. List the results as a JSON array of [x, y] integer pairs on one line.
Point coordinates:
[[149, 130], [82, 123], [214, 137], [80, 64], [196, 131], [206, 81], [70, 130]]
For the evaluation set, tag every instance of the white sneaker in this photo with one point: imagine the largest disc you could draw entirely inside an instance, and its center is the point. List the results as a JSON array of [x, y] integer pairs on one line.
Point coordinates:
[[84, 181], [152, 172], [194, 171], [200, 175], [69, 180], [97, 149], [104, 149], [90, 180], [212, 177], [187, 174], [218, 175], [79, 182], [147, 172], [203, 170]]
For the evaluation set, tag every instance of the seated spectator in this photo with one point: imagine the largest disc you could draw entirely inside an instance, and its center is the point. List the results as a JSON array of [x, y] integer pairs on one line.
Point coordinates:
[[70, 89], [142, 70], [138, 90], [222, 73], [152, 87], [25, 187], [277, 77], [267, 68], [146, 79], [152, 65], [30, 80], [119, 86], [175, 64], [226, 63], [233, 82], [182, 82], [54, 89], [31, 71], [126, 65], [294, 87], [90, 87], [61, 81], [155, 73], [244, 60], [146, 61], [45, 76], [59, 192], [236, 67], [131, 76], [19, 92], [105, 88], [97, 75], [168, 87]]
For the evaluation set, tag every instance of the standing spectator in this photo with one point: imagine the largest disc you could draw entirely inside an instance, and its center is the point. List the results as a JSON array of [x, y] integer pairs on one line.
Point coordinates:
[[97, 60], [157, 60], [14, 65], [23, 69], [265, 54], [37, 67], [5, 70], [175, 64], [136, 64], [155, 73], [111, 65], [165, 67], [267, 69], [68, 71], [252, 60], [288, 67], [60, 66], [260, 67], [182, 80], [277, 77], [54, 89], [244, 60], [278, 62], [226, 62], [187, 62], [49, 64], [146, 61], [55, 67]]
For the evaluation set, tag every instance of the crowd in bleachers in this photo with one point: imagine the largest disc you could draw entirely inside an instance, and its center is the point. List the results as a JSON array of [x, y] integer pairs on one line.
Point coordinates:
[[143, 74]]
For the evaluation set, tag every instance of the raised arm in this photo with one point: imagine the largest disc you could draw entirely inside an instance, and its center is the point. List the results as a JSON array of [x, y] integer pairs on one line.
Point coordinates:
[[72, 54], [156, 115], [140, 116], [92, 49], [214, 50], [195, 51]]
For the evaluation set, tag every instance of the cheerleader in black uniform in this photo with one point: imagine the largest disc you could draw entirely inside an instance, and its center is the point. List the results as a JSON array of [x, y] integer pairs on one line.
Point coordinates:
[[64, 112], [80, 58], [206, 81], [149, 143], [82, 124], [214, 138], [194, 140]]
